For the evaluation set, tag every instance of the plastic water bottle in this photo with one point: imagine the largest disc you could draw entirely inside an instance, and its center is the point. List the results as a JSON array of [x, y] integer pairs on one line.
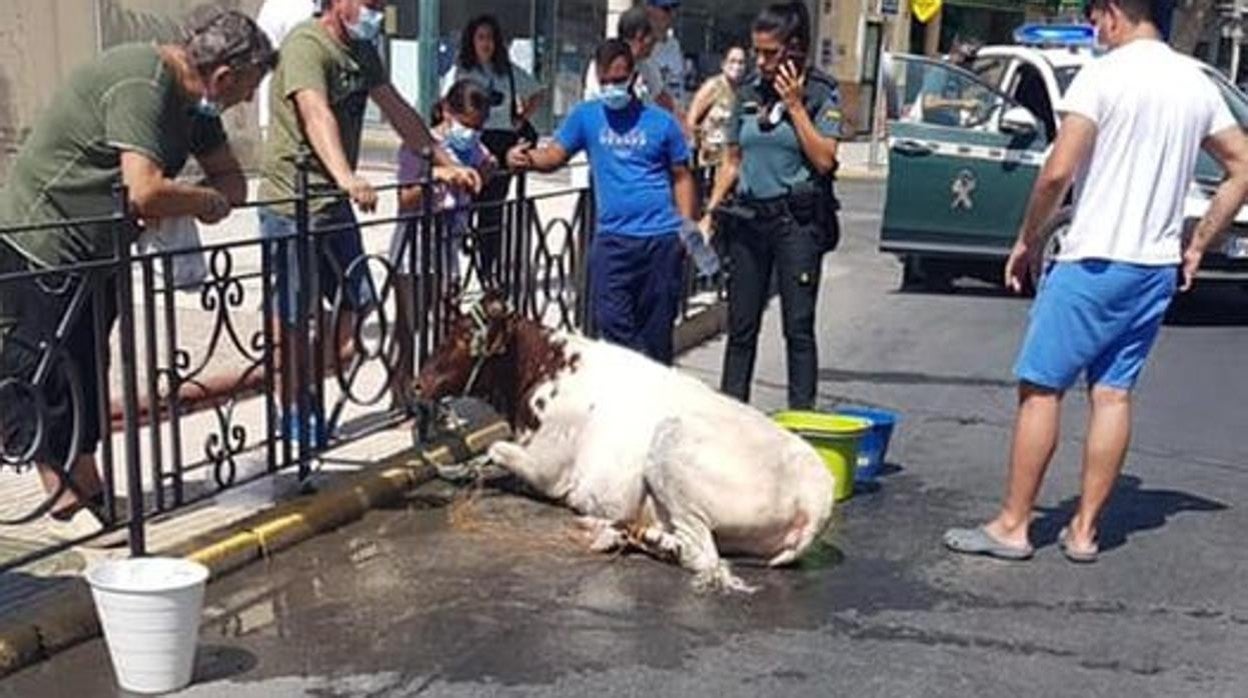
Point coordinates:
[[704, 257]]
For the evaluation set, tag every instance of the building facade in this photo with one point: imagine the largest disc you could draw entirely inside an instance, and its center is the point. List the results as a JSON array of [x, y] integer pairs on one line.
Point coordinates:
[[42, 40]]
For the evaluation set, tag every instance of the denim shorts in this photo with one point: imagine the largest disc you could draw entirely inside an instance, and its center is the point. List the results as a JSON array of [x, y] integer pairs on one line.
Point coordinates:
[[1095, 317], [342, 256]]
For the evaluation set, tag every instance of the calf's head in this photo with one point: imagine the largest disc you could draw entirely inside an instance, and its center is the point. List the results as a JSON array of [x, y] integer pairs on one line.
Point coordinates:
[[474, 347]]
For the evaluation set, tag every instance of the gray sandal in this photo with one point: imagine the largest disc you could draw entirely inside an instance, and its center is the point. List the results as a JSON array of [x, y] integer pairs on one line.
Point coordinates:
[[1079, 556], [977, 541]]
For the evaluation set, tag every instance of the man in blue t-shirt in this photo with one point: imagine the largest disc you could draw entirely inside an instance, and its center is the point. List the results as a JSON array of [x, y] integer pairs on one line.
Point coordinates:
[[644, 194]]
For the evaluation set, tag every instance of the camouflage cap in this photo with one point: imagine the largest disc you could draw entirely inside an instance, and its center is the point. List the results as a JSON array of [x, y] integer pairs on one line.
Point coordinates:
[[214, 36]]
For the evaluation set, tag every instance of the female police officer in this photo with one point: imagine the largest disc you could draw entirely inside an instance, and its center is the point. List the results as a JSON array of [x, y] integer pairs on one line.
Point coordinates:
[[781, 157]]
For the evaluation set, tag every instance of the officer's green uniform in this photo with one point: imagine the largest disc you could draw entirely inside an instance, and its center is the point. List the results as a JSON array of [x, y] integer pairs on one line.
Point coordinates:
[[793, 224], [69, 166]]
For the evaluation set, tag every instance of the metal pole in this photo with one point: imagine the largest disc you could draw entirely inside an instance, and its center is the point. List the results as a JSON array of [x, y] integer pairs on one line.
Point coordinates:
[[873, 154], [129, 383], [430, 22], [1237, 35]]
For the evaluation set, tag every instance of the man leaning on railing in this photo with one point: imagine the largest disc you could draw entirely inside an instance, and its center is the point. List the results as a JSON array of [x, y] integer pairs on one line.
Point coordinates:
[[131, 117]]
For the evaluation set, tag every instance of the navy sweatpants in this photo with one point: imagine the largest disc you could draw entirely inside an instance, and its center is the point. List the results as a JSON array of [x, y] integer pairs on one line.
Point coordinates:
[[635, 284]]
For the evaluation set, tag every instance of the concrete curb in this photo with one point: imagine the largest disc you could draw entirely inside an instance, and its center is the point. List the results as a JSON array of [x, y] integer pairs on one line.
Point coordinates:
[[67, 617]]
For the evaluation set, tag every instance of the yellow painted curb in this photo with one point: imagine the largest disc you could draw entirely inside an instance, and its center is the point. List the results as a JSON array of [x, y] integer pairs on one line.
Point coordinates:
[[67, 617]]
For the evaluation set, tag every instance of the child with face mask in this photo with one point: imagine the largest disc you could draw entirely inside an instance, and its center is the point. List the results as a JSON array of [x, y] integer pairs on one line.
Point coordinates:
[[458, 121]]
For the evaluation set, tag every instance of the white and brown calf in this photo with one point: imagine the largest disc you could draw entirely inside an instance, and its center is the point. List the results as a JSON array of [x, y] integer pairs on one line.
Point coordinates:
[[646, 455]]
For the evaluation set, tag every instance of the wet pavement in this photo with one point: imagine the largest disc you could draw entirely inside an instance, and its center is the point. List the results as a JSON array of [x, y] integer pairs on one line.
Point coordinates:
[[493, 595]]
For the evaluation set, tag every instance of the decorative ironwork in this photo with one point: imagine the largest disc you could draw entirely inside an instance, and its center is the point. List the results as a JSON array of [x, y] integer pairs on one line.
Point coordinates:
[[202, 357]]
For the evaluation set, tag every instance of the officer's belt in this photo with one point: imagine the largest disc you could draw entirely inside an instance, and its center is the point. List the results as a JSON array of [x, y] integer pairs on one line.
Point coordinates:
[[770, 206]]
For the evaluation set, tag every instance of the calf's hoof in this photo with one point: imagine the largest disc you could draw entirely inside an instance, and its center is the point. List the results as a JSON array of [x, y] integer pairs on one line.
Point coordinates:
[[721, 579]]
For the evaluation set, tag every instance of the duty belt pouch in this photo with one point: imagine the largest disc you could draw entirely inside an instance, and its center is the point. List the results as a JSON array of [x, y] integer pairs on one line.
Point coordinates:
[[829, 222], [816, 209]]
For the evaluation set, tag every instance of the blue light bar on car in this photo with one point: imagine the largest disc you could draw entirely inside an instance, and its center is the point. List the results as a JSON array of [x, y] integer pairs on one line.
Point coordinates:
[[1055, 35]]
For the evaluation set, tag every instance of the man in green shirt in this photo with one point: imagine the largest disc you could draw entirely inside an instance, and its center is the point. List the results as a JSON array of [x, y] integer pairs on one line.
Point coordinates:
[[328, 71], [132, 117]]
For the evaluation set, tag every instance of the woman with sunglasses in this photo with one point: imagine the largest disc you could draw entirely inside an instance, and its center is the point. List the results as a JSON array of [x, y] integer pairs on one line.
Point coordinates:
[[781, 156], [514, 98]]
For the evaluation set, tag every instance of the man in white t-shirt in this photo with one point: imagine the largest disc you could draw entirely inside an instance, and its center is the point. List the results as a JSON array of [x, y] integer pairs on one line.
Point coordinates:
[[635, 28], [1133, 125], [276, 19]]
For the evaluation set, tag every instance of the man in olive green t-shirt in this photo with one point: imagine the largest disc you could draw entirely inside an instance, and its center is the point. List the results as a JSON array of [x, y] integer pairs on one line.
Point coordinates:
[[132, 117], [328, 70]]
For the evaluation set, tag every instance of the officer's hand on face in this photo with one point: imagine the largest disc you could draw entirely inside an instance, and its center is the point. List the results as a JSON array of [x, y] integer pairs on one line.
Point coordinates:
[[361, 192], [215, 208], [518, 157], [791, 85]]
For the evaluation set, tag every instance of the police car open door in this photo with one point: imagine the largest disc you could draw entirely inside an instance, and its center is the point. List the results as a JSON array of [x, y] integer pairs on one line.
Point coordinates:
[[962, 161]]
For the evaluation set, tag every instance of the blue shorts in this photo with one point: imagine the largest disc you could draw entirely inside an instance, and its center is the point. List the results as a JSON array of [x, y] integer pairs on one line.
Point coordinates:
[[1097, 317], [342, 256]]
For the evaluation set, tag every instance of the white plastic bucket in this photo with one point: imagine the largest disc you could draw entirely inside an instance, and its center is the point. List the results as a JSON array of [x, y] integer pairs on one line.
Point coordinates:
[[149, 609]]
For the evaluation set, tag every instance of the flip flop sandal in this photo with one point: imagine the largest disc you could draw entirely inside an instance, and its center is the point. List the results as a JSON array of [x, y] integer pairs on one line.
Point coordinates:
[[1080, 556], [977, 541]]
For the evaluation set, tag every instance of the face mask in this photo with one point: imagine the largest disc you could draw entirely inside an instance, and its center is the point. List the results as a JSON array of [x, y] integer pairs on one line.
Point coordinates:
[[616, 96], [461, 138], [208, 108], [367, 27]]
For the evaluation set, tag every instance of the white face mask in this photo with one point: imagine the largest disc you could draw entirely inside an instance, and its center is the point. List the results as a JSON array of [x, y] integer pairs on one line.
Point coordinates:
[[367, 26]]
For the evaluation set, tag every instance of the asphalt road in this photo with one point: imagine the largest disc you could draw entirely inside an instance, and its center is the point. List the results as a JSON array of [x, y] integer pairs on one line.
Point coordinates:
[[492, 597]]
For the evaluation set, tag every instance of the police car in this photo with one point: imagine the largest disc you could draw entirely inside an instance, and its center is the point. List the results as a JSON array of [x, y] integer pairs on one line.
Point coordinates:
[[966, 144]]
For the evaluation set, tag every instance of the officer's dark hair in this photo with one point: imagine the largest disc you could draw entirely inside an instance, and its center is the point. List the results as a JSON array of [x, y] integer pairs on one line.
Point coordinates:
[[787, 21], [465, 97], [610, 51], [467, 45], [214, 37], [1135, 10], [634, 22]]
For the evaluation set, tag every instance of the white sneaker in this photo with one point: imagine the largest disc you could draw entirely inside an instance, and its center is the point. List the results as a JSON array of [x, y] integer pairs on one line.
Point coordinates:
[[82, 524]]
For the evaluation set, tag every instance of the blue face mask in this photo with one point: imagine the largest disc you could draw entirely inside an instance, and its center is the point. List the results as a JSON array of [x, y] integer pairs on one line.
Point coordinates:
[[616, 96], [367, 26], [463, 140]]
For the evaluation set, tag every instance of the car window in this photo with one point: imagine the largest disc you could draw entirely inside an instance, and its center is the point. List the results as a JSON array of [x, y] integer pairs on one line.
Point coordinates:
[[1031, 91], [930, 91], [990, 69]]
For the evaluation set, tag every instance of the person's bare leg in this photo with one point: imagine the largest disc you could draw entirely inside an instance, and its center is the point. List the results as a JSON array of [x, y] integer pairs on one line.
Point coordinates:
[[85, 476], [1035, 440], [1109, 433]]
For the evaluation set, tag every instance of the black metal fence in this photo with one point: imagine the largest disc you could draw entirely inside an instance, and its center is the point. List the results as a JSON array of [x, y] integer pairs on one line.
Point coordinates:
[[218, 386]]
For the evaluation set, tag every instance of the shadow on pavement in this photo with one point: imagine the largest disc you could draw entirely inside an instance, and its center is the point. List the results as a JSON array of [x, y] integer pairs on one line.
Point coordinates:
[[220, 662], [1131, 509], [874, 486]]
